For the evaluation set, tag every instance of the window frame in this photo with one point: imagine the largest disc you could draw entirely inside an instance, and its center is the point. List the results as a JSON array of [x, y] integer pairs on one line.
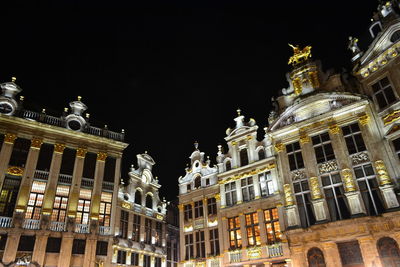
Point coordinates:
[[271, 217], [230, 194], [247, 187], [252, 229], [234, 233], [382, 90], [324, 146], [295, 156]]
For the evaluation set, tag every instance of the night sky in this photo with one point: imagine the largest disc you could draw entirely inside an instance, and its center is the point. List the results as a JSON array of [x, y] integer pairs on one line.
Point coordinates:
[[171, 72]]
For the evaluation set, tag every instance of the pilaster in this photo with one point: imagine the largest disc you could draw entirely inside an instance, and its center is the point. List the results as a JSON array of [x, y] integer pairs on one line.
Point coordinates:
[[222, 195], [239, 192], [64, 258], [39, 251], [331, 254], [242, 220], [10, 251], [298, 257], [90, 252], [369, 252], [261, 223], [256, 186], [5, 154], [97, 187], [114, 217]]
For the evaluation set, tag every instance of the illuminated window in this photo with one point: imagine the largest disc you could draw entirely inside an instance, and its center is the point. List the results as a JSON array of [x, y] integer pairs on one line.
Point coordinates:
[[335, 198], [272, 226], [60, 204], [214, 242], [266, 184], [136, 228], [200, 245], [147, 230], [187, 209], [35, 200], [235, 235], [189, 251], [252, 229], [230, 194], [323, 147], [353, 137], [124, 220], [198, 209], [158, 234], [8, 196], [295, 157], [212, 206], [247, 188], [82, 215], [383, 93], [105, 209]]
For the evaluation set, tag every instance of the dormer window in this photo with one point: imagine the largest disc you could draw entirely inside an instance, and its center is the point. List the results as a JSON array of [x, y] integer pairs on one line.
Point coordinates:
[[383, 93], [149, 202], [228, 166], [395, 36], [197, 182], [244, 159], [138, 197], [261, 154]]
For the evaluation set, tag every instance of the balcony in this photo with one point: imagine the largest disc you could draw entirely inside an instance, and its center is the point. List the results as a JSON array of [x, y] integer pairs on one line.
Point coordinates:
[[81, 228], [43, 175], [104, 230], [5, 222], [57, 226], [31, 224], [108, 186], [275, 250], [235, 256], [65, 179], [86, 182]]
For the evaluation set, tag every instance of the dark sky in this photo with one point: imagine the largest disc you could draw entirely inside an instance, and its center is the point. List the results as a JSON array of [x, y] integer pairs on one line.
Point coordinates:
[[169, 72]]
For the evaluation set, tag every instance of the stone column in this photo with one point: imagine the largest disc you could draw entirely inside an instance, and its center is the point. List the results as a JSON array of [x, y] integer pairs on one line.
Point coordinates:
[[128, 257], [369, 251], [10, 251], [64, 257], [90, 251], [331, 254], [256, 185], [263, 229], [27, 177], [114, 217], [239, 195], [51, 185], [96, 193], [39, 251], [181, 233], [298, 257], [235, 156], [5, 154], [386, 185], [75, 187], [319, 203], [222, 195], [290, 208], [352, 194]]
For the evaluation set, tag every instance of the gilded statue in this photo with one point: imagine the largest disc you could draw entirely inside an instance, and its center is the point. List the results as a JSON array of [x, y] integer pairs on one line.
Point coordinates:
[[299, 55], [383, 175]]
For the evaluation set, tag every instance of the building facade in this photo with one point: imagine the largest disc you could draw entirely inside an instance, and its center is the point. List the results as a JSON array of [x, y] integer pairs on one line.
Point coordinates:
[[140, 228], [57, 178]]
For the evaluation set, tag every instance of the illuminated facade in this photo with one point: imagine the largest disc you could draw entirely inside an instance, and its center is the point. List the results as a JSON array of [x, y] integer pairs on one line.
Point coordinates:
[[57, 180], [140, 226]]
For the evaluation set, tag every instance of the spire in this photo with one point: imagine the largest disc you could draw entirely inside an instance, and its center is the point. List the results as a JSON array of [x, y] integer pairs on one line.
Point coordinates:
[[196, 145]]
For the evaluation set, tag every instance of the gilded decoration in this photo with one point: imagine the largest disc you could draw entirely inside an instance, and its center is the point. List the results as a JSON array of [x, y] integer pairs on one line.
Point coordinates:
[[364, 119], [279, 147], [16, 171], [315, 189], [81, 152], [59, 148], [298, 174], [246, 174], [297, 86], [9, 138], [314, 79], [254, 252], [359, 158], [334, 129], [180, 207], [328, 166], [304, 138], [217, 197], [391, 117], [288, 195], [126, 205], [299, 55], [36, 143], [349, 184], [101, 156], [383, 175]]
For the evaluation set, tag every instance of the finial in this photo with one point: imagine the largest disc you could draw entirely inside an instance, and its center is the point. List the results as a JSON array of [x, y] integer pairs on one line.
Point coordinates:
[[65, 109], [208, 157], [238, 111], [13, 79], [145, 152], [196, 145], [122, 131], [44, 110], [21, 98], [87, 115], [219, 148], [105, 126], [79, 98]]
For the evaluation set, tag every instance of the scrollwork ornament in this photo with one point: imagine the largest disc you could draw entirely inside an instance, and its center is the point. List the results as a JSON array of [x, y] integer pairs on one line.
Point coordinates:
[[304, 139], [81, 152], [315, 189], [334, 129], [36, 143], [349, 184], [9, 138], [383, 175], [364, 119], [279, 147], [59, 148]]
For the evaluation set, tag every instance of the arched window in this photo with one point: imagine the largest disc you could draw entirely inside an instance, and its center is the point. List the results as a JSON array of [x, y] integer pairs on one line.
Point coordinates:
[[261, 154], [149, 202], [197, 182], [228, 166], [244, 159], [138, 197], [315, 258], [388, 252]]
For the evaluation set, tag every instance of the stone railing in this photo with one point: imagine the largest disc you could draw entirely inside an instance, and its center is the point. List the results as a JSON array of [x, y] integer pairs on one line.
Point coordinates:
[[31, 224], [5, 222], [86, 182], [43, 175], [82, 228], [235, 256], [65, 178], [57, 226], [275, 250], [108, 186], [104, 230]]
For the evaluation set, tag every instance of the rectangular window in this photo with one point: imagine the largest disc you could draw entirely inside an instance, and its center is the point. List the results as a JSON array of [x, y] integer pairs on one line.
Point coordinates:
[[214, 242], [20, 152], [189, 251], [158, 234], [369, 189], [247, 188], [212, 206], [323, 147], [78, 246], [335, 198], [200, 245], [304, 204], [148, 230], [121, 257], [146, 261], [235, 235], [124, 221], [101, 248], [350, 254], [198, 209], [82, 215], [230, 194], [354, 140], [266, 184], [45, 157], [26, 243], [274, 234], [8, 195], [135, 259], [295, 157], [53, 244], [157, 262], [396, 146], [187, 209], [383, 93], [105, 209], [252, 229], [60, 204], [136, 228], [35, 202]]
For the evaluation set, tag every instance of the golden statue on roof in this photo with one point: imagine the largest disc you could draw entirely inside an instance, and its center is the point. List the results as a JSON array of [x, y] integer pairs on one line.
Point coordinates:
[[299, 55]]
